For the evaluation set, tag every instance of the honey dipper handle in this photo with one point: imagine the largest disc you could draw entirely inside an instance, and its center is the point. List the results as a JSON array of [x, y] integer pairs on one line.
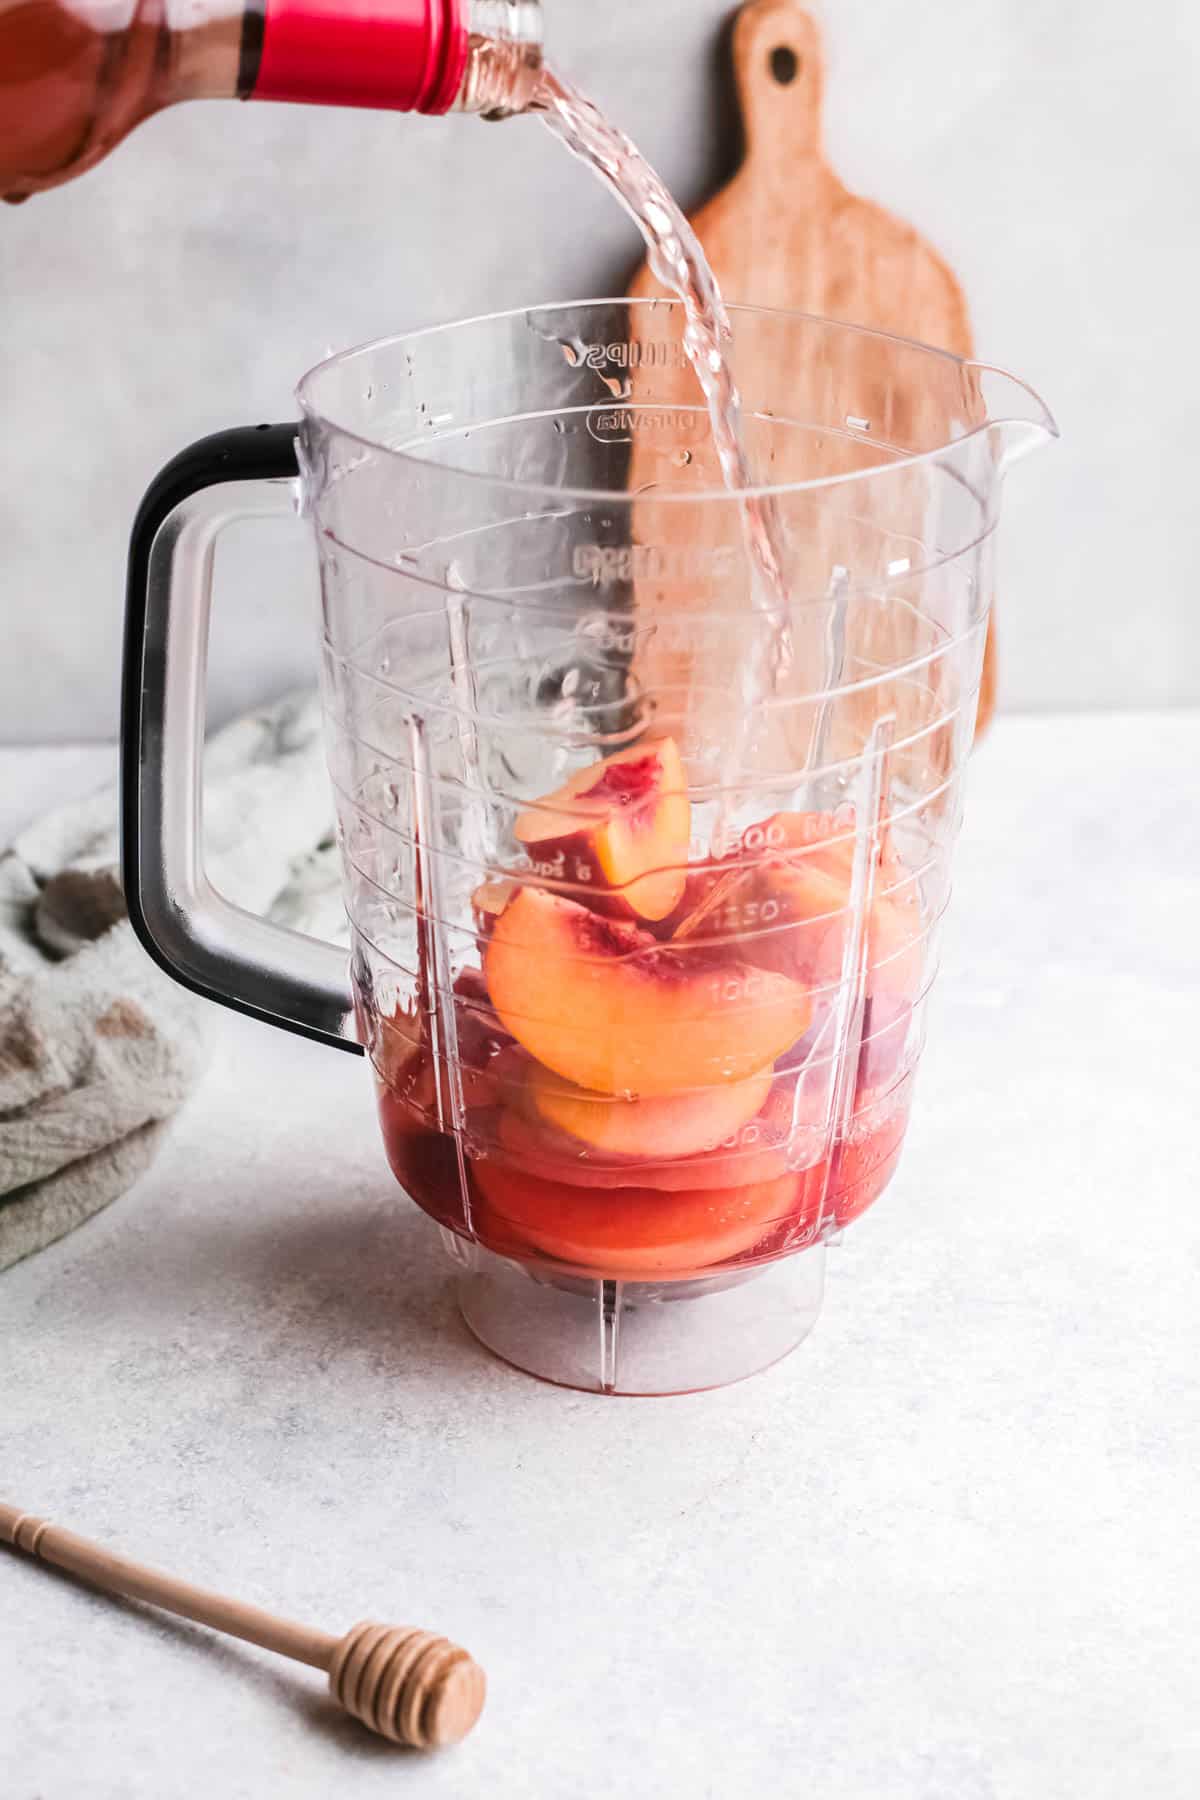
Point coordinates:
[[120, 1575]]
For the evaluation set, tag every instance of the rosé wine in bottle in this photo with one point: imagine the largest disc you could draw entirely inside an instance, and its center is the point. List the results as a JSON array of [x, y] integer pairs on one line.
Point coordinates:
[[76, 76]]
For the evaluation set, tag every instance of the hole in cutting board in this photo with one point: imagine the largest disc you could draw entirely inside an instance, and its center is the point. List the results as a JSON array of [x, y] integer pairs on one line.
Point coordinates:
[[785, 64]]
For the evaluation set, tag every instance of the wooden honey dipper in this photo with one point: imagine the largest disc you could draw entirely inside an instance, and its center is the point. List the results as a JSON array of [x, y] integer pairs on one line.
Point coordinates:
[[407, 1685]]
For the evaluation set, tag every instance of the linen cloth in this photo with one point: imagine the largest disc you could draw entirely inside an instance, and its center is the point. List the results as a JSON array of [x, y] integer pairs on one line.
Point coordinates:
[[98, 1048]]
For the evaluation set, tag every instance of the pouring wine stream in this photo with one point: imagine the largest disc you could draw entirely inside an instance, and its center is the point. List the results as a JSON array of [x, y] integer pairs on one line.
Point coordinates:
[[677, 260]]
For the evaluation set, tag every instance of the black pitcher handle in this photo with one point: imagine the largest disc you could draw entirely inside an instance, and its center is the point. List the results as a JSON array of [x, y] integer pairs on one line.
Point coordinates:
[[200, 938]]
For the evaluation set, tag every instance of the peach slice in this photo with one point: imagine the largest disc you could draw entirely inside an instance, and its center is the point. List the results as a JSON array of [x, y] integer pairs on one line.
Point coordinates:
[[806, 906], [607, 1007], [661, 1128], [621, 828], [801, 893], [786, 1135], [765, 1148], [628, 1234], [722, 903], [809, 944]]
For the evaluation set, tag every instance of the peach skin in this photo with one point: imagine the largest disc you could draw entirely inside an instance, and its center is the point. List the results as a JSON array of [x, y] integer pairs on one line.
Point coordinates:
[[789, 906], [658, 1129], [769, 1145], [620, 828], [630, 1234]]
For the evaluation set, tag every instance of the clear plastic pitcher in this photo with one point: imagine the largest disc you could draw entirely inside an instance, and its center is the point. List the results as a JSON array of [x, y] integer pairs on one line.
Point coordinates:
[[642, 941]]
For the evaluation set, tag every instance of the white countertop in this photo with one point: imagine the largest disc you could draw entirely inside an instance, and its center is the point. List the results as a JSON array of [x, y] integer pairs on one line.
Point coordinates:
[[947, 1551]]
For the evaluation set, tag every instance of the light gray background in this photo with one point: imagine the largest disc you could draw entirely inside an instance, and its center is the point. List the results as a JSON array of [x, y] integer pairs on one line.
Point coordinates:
[[1050, 150]]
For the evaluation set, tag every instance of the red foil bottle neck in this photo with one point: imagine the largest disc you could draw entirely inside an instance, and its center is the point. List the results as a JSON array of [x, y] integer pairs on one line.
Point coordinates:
[[395, 55]]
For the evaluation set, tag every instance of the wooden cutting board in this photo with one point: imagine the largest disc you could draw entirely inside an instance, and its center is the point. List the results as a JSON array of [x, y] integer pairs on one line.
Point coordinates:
[[785, 232]]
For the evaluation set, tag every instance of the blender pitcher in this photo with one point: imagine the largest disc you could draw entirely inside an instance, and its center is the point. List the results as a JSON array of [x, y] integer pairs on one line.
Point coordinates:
[[641, 945]]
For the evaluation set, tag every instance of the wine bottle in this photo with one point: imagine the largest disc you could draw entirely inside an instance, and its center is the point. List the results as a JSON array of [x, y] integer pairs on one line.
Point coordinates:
[[76, 76]]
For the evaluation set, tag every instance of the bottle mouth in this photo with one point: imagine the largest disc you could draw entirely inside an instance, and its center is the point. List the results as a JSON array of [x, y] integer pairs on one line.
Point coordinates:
[[504, 57]]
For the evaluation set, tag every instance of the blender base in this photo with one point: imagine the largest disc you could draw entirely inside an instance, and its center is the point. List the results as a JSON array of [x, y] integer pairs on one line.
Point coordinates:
[[639, 1337]]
